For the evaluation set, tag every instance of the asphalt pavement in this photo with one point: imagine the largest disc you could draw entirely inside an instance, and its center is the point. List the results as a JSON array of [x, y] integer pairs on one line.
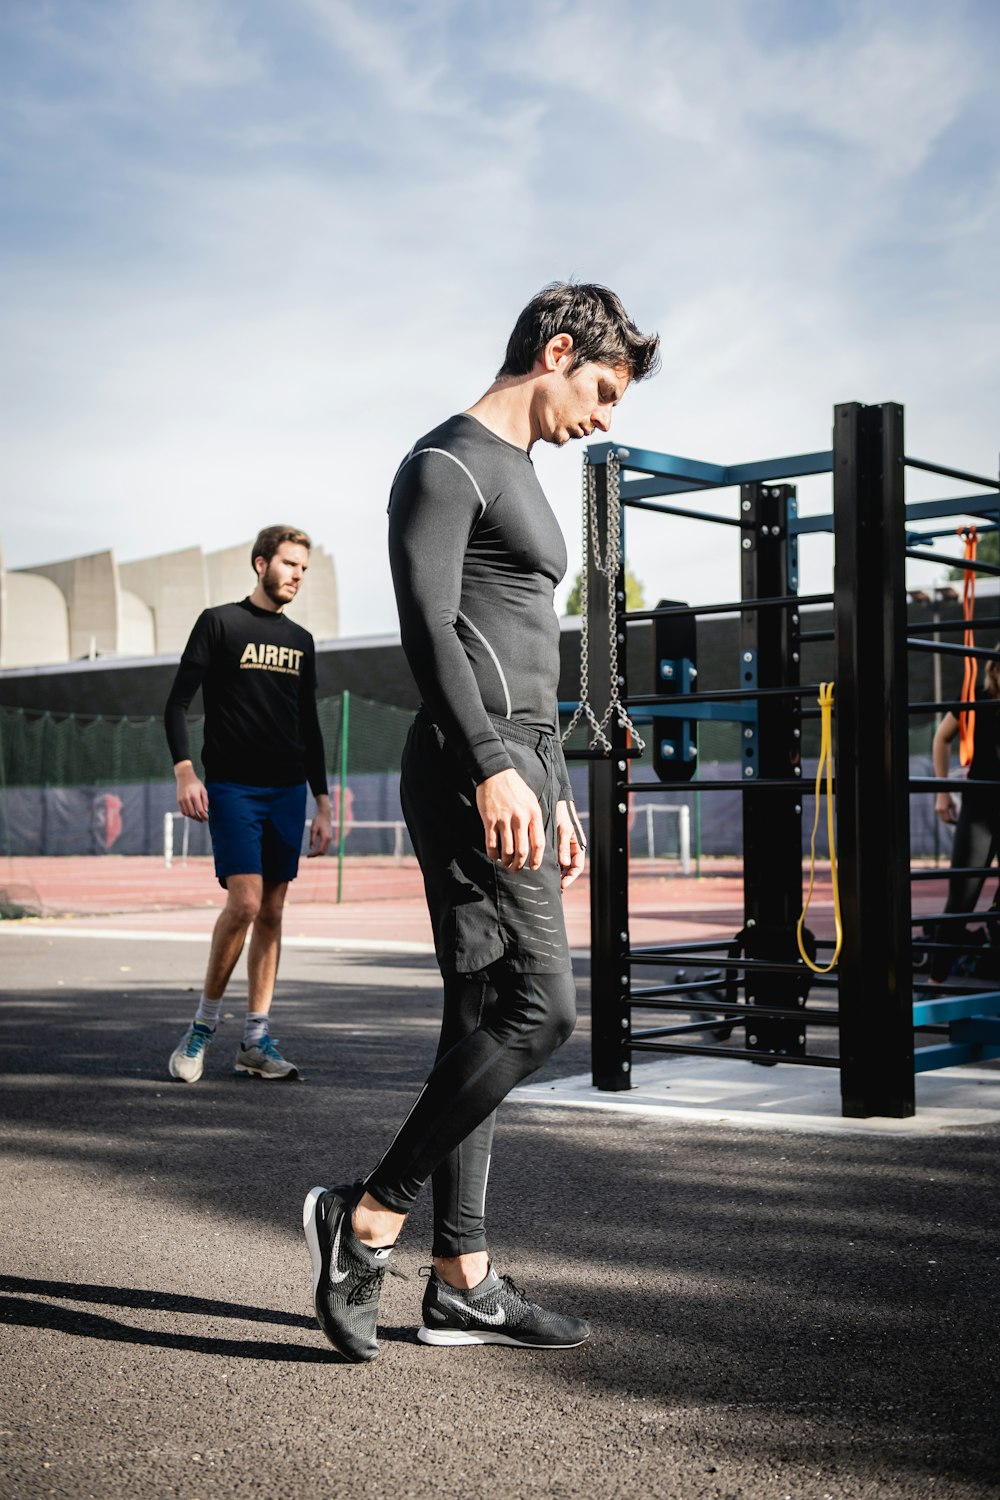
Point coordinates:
[[775, 1314]]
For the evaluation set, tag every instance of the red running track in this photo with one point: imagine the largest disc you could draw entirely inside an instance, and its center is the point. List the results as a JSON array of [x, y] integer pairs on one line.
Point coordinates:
[[383, 898]]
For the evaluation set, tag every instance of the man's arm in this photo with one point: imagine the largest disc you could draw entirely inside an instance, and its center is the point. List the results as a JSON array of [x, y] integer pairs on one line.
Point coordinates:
[[432, 512], [321, 828], [945, 805], [192, 798]]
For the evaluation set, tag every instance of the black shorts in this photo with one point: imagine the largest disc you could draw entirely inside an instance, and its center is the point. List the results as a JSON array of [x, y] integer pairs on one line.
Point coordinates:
[[480, 912]]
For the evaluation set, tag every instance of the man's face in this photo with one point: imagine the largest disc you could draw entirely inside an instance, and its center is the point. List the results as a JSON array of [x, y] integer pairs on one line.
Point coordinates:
[[282, 577], [580, 401]]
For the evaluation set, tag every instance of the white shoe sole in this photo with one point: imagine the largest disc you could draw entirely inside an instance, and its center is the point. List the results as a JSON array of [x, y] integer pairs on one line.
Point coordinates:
[[452, 1338], [174, 1073], [312, 1238], [292, 1073]]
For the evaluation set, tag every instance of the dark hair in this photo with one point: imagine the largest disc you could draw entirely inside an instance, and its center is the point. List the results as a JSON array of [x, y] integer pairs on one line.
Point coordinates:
[[270, 539], [596, 321]]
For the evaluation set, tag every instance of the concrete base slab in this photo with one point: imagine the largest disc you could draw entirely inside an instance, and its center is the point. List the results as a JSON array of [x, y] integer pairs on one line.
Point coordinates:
[[712, 1091]]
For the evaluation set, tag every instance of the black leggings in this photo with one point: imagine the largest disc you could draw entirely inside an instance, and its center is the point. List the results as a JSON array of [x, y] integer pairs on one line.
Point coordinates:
[[498, 1027], [977, 835]]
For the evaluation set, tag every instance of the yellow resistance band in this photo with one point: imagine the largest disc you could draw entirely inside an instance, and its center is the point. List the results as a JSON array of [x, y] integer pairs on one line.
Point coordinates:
[[825, 759]]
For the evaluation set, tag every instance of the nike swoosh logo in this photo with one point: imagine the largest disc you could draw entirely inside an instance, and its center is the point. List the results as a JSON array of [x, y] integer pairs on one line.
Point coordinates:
[[334, 1272], [498, 1317]]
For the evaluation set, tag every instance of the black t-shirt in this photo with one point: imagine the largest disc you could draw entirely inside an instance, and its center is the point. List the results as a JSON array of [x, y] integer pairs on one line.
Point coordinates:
[[257, 669], [476, 554], [986, 745]]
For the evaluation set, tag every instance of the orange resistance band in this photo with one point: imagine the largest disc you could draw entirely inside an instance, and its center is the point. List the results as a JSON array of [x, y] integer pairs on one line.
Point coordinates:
[[967, 717]]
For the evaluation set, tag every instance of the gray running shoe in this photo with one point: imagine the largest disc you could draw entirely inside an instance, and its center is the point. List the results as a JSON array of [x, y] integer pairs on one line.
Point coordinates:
[[264, 1060], [187, 1061], [347, 1275], [494, 1312]]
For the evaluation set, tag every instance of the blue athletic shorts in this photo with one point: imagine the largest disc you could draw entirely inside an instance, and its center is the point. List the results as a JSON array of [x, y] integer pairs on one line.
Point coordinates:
[[256, 830]]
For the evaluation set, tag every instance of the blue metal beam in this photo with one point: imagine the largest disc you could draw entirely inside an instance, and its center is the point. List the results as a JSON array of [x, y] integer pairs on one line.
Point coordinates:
[[689, 473], [951, 1055], [955, 1008], [971, 505]]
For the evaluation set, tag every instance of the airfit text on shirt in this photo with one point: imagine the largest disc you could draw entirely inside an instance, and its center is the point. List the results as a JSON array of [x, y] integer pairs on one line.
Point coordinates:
[[273, 658]]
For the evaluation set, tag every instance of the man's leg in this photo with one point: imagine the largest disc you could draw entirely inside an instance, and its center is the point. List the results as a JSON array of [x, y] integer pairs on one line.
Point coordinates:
[[972, 848], [259, 1055], [460, 1250], [264, 951], [533, 1015], [243, 898], [350, 1230]]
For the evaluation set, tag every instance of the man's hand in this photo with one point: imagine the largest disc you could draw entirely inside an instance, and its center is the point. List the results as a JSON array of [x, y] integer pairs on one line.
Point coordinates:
[[946, 807], [321, 829], [512, 818], [570, 843], [192, 798]]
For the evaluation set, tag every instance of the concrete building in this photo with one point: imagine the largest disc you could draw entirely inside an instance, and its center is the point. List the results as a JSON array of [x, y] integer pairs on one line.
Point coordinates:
[[94, 606]]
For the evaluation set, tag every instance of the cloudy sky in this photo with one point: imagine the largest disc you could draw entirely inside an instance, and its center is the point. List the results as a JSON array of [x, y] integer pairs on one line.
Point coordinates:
[[253, 248]]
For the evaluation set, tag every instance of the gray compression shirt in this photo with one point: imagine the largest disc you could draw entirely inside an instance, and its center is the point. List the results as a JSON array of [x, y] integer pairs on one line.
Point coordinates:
[[476, 554]]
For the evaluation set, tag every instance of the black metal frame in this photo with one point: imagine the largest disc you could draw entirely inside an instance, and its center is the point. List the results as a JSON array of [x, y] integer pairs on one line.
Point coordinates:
[[876, 1014]]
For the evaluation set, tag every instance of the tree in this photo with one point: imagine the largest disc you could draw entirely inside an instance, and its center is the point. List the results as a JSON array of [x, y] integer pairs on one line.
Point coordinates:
[[635, 593]]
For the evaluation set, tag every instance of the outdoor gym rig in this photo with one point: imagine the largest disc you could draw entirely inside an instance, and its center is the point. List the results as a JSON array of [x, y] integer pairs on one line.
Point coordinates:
[[864, 1014]]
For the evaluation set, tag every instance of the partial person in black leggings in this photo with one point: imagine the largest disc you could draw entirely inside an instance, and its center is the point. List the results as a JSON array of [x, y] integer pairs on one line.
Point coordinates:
[[476, 554], [976, 819]]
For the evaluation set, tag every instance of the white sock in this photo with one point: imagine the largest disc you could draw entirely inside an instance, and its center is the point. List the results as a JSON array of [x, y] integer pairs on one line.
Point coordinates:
[[208, 1012], [254, 1028]]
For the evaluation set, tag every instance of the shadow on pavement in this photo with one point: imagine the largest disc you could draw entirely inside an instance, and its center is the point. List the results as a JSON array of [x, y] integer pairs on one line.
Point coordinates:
[[848, 1282], [120, 1296]]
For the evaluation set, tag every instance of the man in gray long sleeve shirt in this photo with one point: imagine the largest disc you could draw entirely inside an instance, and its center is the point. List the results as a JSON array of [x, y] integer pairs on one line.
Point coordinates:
[[476, 554]]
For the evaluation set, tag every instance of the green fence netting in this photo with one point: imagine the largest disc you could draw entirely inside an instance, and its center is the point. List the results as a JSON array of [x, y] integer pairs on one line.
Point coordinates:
[[76, 750]]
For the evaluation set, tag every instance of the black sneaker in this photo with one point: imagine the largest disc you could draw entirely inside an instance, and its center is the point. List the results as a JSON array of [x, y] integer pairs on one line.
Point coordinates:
[[494, 1312], [347, 1275]]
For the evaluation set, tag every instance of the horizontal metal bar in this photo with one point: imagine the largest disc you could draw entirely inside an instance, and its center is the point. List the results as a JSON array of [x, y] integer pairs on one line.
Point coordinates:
[[647, 489], [701, 475], [688, 987], [954, 704], [813, 636], [919, 463], [648, 1033], [930, 509], [951, 1055], [729, 695], [934, 784], [728, 1015], [676, 510], [740, 1053], [991, 569], [703, 946], [985, 622], [735, 608], [978, 914], [929, 945], [681, 707], [625, 753], [669, 465], [803, 525], [942, 872], [956, 1008], [767, 784], [950, 648], [983, 528], [771, 965]]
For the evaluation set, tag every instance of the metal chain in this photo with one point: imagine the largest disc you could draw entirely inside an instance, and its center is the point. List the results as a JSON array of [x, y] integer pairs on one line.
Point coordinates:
[[608, 568]]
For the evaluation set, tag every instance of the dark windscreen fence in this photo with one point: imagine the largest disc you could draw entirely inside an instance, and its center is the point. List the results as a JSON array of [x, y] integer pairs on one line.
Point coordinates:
[[76, 784]]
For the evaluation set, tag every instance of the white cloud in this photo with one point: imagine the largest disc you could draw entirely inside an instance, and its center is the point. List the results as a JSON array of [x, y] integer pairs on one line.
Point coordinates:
[[211, 324]]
